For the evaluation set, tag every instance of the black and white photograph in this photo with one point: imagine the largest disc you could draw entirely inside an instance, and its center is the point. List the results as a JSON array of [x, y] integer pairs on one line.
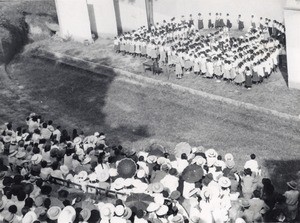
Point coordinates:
[[149, 111]]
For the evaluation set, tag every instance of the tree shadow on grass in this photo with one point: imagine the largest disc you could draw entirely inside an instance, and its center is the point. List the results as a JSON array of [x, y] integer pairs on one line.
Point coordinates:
[[76, 97], [282, 171]]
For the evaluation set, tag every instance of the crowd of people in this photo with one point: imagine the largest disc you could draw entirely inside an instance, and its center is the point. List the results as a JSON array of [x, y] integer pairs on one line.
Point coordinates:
[[192, 185], [181, 44]]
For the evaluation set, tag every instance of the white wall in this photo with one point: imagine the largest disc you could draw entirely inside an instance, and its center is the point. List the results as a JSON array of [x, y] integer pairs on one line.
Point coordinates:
[[272, 9], [73, 19], [292, 21], [102, 17]]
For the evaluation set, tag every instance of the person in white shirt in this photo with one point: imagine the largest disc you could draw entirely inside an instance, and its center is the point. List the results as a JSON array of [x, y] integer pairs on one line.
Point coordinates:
[[252, 164]]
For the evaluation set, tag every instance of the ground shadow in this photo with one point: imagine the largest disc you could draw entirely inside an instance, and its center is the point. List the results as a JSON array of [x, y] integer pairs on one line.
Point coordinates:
[[74, 97], [282, 171], [283, 69]]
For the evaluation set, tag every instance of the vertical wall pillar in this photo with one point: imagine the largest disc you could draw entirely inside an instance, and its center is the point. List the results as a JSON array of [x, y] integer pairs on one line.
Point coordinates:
[[292, 21]]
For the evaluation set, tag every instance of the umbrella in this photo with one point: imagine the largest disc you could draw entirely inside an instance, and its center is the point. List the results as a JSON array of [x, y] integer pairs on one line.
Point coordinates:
[[192, 173], [140, 200], [126, 168], [156, 150], [182, 147]]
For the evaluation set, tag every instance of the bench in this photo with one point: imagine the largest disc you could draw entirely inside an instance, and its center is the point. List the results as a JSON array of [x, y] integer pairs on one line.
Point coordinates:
[[151, 66]]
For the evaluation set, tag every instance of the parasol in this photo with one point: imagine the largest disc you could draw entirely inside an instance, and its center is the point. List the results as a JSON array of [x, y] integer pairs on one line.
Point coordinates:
[[140, 200], [126, 168], [182, 147], [192, 173]]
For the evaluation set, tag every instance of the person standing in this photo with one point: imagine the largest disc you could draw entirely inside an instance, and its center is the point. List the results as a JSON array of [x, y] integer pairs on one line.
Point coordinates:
[[292, 197], [210, 23], [191, 21], [240, 23], [228, 22], [200, 22], [248, 78]]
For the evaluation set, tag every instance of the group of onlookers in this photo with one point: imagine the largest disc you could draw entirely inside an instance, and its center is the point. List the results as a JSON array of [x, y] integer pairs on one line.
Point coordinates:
[[193, 184]]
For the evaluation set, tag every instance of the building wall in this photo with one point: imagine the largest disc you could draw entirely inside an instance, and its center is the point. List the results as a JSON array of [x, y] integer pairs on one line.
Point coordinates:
[[292, 21], [73, 18]]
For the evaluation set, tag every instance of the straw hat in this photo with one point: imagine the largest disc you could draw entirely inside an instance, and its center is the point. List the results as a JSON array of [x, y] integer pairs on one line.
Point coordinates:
[[292, 184], [53, 212], [36, 159], [224, 182], [77, 140]]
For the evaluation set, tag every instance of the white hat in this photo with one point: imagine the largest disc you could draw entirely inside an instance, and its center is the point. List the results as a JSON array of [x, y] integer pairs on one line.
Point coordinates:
[[159, 198], [77, 140], [228, 156], [86, 160], [119, 183], [157, 187], [67, 215], [113, 172], [107, 210], [211, 153], [153, 206], [82, 175], [140, 173], [163, 210], [93, 177], [64, 169], [102, 175], [53, 212], [151, 159], [224, 182], [117, 219], [36, 158], [119, 210], [161, 160], [29, 217]]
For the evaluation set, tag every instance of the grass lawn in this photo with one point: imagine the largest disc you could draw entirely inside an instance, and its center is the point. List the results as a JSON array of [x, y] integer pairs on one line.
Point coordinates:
[[272, 94], [136, 114]]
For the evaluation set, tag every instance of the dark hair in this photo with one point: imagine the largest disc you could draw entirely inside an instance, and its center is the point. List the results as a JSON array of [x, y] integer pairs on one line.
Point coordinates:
[[47, 203], [253, 156], [183, 156], [28, 202], [44, 163], [21, 195], [13, 209], [44, 125]]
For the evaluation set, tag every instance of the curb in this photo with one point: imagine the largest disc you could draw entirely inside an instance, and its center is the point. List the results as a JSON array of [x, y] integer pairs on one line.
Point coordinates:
[[92, 66]]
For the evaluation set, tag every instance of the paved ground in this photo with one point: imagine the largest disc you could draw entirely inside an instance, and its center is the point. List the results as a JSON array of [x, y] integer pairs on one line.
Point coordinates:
[[137, 114]]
